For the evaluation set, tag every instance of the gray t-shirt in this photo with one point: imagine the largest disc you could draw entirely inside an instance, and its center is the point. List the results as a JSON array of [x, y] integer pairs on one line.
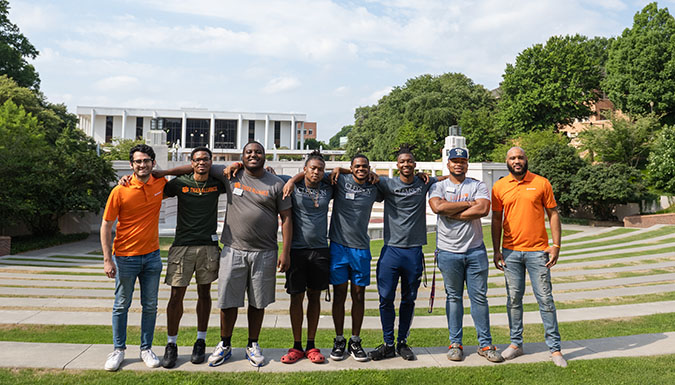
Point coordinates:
[[310, 223], [349, 220], [251, 222], [454, 235], [405, 219]]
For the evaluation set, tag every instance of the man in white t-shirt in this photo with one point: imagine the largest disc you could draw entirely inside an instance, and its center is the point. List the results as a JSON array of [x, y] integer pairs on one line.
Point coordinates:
[[460, 202]]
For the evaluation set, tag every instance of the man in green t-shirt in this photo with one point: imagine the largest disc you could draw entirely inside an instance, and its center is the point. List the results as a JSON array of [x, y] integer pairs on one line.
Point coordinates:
[[194, 250]]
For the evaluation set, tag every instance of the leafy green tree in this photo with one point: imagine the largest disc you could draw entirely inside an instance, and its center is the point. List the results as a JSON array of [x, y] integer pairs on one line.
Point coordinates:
[[627, 142], [15, 49], [22, 150], [551, 84], [641, 65], [481, 133], [531, 142], [661, 168], [432, 102], [119, 148], [421, 137], [601, 187], [334, 141], [316, 144]]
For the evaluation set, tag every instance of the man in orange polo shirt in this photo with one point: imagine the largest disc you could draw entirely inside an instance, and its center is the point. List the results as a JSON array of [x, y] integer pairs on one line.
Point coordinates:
[[134, 253], [519, 202]]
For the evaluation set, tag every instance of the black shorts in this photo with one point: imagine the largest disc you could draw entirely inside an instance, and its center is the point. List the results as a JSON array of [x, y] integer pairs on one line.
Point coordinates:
[[310, 269]]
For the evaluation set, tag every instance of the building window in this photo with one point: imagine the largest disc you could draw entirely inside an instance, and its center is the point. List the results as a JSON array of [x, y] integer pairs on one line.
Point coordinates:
[[197, 132], [251, 130], [172, 127], [310, 131], [225, 134], [277, 134], [108, 129], [139, 128]]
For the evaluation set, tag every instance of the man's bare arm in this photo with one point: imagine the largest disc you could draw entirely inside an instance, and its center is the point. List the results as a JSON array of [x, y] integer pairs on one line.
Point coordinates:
[[287, 234], [442, 207], [479, 210], [556, 231], [290, 185], [106, 245], [498, 259]]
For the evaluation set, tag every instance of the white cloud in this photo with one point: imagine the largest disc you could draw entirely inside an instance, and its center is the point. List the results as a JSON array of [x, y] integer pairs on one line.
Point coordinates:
[[375, 96], [281, 84], [341, 90], [116, 83]]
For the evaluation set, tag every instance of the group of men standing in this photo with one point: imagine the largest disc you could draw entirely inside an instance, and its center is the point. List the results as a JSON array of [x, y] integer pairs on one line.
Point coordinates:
[[249, 259]]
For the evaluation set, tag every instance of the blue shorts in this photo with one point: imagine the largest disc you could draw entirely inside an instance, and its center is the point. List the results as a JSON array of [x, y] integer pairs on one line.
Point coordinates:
[[348, 263]]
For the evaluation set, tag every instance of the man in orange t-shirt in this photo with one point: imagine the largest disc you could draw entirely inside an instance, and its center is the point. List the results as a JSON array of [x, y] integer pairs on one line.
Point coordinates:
[[519, 202], [134, 253]]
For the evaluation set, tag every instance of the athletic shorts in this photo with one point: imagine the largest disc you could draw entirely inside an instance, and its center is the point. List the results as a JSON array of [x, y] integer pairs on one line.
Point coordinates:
[[347, 263], [183, 261], [246, 272], [310, 269]]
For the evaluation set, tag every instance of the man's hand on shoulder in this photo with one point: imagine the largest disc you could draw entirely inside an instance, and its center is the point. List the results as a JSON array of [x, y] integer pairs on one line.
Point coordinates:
[[232, 169], [288, 189], [424, 176], [159, 173], [124, 180], [373, 178]]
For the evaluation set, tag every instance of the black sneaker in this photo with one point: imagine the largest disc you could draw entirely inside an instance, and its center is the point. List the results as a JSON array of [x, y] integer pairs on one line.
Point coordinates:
[[356, 350], [339, 347], [383, 351], [198, 352], [404, 351], [170, 356]]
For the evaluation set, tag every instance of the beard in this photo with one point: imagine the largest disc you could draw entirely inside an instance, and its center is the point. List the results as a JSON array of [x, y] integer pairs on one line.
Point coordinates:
[[458, 175], [523, 171]]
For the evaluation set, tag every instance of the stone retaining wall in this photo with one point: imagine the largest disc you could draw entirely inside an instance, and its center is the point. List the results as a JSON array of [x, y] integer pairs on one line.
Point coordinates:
[[5, 245], [649, 220]]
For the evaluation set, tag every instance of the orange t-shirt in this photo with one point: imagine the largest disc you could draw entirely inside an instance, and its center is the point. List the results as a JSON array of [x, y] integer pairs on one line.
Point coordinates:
[[136, 207], [523, 203]]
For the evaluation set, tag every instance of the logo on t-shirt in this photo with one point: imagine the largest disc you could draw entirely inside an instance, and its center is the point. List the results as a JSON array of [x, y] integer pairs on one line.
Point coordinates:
[[407, 191], [357, 189], [185, 189], [251, 189]]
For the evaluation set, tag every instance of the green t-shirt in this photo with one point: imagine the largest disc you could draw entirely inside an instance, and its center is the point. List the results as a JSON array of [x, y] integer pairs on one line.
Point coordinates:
[[196, 222]]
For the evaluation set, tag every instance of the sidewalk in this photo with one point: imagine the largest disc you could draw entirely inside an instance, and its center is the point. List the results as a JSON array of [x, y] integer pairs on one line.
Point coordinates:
[[86, 356]]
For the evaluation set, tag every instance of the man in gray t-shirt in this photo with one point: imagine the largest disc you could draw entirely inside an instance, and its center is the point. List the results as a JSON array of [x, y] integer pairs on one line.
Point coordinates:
[[401, 257], [249, 256], [460, 202]]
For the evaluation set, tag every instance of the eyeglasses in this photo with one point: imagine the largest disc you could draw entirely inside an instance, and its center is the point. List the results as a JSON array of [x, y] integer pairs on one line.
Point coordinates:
[[141, 161], [201, 160]]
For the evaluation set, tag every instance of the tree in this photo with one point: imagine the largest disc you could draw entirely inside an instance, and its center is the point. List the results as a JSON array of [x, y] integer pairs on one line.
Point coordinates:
[[14, 50], [119, 148], [314, 144], [432, 103], [627, 142], [334, 141], [641, 65], [601, 187], [532, 142], [420, 137], [481, 133], [661, 168], [550, 85]]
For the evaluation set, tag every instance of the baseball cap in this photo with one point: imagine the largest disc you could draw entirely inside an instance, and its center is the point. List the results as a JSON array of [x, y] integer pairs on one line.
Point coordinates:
[[458, 153]]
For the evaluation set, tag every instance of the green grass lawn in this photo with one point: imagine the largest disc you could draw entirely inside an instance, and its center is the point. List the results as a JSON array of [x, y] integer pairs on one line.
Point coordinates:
[[282, 337], [642, 370]]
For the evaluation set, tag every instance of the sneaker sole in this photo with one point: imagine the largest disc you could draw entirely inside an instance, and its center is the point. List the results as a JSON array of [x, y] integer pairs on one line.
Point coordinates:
[[359, 359], [253, 363], [222, 360], [337, 358]]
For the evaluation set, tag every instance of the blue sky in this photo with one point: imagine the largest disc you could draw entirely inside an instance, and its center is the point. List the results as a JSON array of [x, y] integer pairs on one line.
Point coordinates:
[[319, 57]]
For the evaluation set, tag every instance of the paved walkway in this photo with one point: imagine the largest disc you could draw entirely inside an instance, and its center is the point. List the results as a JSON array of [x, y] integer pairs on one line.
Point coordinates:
[[89, 356]]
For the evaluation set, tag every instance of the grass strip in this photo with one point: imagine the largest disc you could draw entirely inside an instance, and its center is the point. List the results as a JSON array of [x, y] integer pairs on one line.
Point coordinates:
[[564, 258], [640, 370], [637, 237], [611, 233], [283, 338]]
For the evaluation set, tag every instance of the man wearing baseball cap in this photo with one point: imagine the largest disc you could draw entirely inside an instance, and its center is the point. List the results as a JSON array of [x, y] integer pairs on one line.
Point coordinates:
[[460, 202]]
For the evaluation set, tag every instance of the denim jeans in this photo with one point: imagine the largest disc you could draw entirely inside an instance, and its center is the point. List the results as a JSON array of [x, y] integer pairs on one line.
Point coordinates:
[[395, 263], [470, 267], [147, 268], [540, 277]]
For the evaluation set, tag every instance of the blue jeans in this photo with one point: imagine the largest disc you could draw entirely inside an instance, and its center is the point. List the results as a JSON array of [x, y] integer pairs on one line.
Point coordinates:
[[147, 268], [395, 263], [470, 267], [540, 277]]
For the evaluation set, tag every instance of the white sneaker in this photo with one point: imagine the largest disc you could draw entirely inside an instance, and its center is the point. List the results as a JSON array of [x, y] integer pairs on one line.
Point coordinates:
[[114, 360], [220, 354], [254, 355], [150, 359]]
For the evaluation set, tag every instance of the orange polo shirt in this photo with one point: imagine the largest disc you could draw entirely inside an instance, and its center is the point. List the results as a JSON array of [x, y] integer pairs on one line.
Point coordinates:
[[523, 203], [136, 207]]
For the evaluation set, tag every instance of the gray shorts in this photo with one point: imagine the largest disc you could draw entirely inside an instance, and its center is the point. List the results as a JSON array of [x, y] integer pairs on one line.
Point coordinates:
[[250, 272], [183, 261]]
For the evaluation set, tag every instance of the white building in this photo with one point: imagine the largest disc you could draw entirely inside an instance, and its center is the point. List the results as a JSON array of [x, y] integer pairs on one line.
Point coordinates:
[[225, 133]]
